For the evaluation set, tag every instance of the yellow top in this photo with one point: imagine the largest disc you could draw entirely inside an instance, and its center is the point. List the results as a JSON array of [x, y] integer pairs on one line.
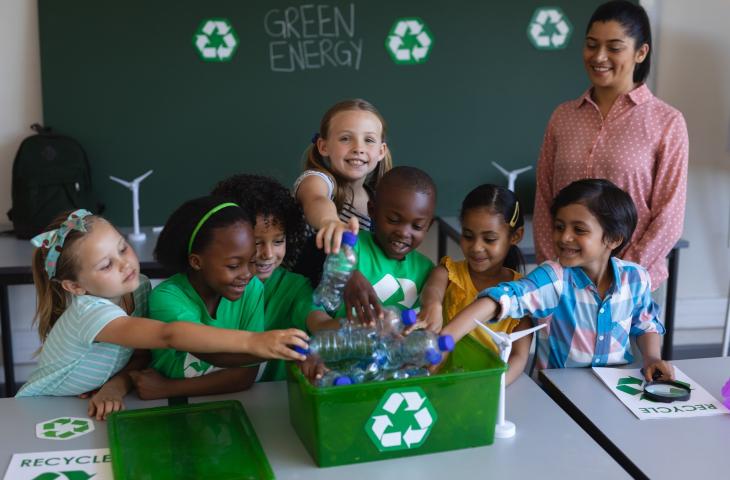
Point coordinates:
[[461, 291]]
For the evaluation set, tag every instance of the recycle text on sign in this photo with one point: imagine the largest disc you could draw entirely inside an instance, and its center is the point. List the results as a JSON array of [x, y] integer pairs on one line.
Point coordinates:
[[549, 29], [402, 420], [409, 41], [215, 40], [63, 428]]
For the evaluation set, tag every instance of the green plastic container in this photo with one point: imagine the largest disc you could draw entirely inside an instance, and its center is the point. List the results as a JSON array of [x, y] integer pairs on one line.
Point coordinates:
[[213, 440], [361, 423]]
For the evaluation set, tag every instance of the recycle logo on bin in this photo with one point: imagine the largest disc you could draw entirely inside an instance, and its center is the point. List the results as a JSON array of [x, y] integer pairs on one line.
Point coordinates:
[[215, 40], [402, 420], [549, 29], [409, 41], [63, 428]]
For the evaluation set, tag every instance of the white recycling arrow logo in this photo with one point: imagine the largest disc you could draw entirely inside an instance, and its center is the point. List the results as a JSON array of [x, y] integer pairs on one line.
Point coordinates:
[[402, 420], [409, 41], [216, 40], [549, 29], [387, 286]]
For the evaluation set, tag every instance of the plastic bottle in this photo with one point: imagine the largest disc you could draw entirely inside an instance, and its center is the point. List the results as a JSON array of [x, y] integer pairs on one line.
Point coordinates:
[[421, 348], [406, 372], [333, 378], [394, 321], [336, 272], [348, 342]]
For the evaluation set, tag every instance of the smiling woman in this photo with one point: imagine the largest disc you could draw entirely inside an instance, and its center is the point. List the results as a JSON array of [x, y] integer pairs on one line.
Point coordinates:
[[619, 131]]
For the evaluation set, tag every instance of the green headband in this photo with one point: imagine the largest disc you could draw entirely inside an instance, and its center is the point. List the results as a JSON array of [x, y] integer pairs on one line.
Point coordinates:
[[205, 219]]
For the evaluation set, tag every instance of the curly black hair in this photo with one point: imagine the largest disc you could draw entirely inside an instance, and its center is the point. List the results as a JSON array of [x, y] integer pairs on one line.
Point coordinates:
[[172, 245], [265, 196]]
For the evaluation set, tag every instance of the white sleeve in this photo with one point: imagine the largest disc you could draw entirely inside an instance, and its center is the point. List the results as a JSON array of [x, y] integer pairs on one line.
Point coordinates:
[[323, 176]]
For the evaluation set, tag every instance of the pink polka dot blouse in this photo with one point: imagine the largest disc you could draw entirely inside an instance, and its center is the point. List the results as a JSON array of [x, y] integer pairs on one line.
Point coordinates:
[[641, 146]]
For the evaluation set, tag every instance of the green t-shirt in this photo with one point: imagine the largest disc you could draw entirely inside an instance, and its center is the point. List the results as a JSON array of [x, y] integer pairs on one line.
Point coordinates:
[[287, 303], [396, 282], [176, 300]]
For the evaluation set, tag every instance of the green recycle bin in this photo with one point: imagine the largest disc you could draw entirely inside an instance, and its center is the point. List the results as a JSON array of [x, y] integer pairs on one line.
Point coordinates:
[[398, 418]]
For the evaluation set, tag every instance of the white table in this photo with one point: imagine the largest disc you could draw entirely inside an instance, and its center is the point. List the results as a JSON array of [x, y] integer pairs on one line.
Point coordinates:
[[548, 444], [686, 448]]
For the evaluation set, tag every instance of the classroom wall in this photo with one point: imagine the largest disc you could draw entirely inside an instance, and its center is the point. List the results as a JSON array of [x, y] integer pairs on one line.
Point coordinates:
[[692, 72]]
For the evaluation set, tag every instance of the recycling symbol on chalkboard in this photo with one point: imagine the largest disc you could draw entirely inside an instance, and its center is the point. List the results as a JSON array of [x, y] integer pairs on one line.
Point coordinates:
[[215, 40], [63, 428], [402, 420], [409, 41], [549, 29]]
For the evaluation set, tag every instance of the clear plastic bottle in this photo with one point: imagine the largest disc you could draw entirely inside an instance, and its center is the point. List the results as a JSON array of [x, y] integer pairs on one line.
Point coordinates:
[[421, 348], [394, 321], [336, 272], [333, 378], [406, 372], [348, 342]]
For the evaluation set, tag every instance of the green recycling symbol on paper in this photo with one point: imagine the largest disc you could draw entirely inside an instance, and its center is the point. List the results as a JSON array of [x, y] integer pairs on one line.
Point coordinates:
[[63, 428], [402, 420], [70, 475], [215, 40], [409, 41], [549, 29]]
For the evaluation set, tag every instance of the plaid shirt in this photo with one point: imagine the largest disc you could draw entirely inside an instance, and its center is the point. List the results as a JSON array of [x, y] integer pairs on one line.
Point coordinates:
[[582, 329]]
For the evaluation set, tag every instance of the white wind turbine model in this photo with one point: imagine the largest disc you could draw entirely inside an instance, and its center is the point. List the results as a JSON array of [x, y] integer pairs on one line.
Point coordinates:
[[511, 174], [136, 235], [505, 428]]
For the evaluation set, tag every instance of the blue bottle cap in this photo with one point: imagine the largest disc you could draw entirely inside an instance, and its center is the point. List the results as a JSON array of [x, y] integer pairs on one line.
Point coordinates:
[[408, 317], [446, 343], [433, 357], [298, 349], [349, 238], [343, 380]]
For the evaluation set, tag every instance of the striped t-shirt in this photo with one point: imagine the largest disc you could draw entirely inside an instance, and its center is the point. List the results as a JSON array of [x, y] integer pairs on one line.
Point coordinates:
[[71, 361], [348, 210]]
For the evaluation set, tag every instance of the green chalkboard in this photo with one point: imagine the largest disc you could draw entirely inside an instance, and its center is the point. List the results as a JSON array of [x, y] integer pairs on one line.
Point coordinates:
[[126, 78]]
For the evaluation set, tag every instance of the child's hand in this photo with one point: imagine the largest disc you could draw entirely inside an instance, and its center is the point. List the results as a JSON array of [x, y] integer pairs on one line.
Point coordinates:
[[106, 400], [277, 344], [360, 295], [434, 369], [329, 235], [430, 318], [313, 368], [654, 366], [150, 384], [88, 394]]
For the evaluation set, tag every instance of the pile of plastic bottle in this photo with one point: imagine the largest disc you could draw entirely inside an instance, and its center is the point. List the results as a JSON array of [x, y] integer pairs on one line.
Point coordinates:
[[359, 353]]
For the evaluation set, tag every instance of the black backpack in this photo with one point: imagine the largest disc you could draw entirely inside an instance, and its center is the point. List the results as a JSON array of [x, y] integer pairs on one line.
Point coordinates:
[[51, 174]]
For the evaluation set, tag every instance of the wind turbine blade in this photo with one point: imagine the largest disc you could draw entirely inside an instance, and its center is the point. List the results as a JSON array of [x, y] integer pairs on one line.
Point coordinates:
[[514, 336], [521, 170], [142, 177], [495, 336], [119, 180], [500, 168]]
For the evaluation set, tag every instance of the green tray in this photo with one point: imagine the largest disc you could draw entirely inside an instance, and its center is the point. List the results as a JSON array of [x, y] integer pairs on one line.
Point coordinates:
[[206, 440]]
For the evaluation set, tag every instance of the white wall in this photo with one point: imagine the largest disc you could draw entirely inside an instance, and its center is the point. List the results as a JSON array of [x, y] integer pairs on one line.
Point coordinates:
[[692, 73]]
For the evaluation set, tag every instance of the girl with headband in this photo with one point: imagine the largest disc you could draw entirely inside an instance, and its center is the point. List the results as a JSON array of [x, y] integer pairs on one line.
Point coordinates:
[[92, 301]]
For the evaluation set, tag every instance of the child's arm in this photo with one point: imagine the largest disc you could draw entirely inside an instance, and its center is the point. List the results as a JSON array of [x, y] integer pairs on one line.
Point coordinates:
[[109, 398], [321, 213], [150, 384], [432, 298], [137, 332], [520, 352], [319, 320], [649, 345], [483, 309], [360, 295]]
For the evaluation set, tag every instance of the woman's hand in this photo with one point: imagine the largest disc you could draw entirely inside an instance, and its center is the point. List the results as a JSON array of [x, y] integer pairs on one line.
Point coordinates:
[[329, 235], [360, 296]]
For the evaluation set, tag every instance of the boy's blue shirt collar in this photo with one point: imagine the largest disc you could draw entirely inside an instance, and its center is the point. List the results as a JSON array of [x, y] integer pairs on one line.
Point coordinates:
[[581, 281]]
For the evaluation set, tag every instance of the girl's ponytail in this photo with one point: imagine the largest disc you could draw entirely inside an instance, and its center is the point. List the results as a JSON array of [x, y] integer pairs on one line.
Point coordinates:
[[51, 298]]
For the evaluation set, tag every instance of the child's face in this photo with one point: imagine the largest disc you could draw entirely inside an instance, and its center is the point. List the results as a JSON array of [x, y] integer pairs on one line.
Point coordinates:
[[354, 144], [108, 266], [270, 246], [227, 263], [486, 239], [402, 218], [578, 238]]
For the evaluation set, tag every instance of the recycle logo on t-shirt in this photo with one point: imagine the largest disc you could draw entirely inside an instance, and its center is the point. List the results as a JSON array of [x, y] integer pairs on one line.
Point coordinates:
[[402, 420]]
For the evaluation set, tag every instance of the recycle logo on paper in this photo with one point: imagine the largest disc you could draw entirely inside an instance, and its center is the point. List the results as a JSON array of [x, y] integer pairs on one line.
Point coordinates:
[[63, 428], [549, 29], [69, 475], [402, 420], [409, 41], [215, 40]]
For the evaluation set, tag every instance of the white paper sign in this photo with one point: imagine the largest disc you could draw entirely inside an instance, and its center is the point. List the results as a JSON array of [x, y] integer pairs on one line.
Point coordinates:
[[63, 465], [627, 385]]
